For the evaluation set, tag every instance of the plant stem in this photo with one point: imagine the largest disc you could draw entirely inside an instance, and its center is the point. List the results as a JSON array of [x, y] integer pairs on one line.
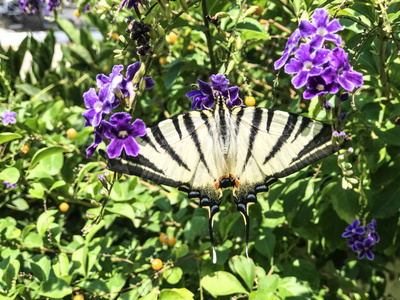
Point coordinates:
[[208, 36]]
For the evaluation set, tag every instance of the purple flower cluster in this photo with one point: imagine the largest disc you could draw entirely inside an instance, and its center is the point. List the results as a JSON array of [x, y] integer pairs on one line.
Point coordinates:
[[32, 6], [135, 4], [205, 97], [10, 185], [358, 242], [316, 66], [111, 90], [8, 117]]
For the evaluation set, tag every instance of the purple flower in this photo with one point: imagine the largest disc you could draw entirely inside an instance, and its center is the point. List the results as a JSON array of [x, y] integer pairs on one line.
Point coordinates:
[[29, 6], [10, 185], [321, 29], [86, 8], [98, 131], [353, 241], [52, 5], [8, 117], [127, 88], [366, 247], [307, 64], [341, 71], [204, 98], [111, 83], [316, 86], [122, 134], [353, 229], [134, 4], [371, 229], [290, 47], [98, 106]]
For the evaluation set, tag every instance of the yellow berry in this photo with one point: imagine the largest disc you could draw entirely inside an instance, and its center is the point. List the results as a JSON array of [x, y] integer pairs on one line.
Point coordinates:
[[156, 264], [263, 22], [163, 238], [76, 13], [190, 47], [24, 149], [71, 133], [79, 297], [258, 11], [115, 36], [64, 206], [172, 37], [171, 241], [249, 100], [163, 61]]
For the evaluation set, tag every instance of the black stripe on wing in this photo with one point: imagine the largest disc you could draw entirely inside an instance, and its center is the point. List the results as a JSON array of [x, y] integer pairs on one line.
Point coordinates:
[[142, 167], [303, 125], [160, 139], [287, 131], [239, 116], [187, 120], [255, 122], [175, 121]]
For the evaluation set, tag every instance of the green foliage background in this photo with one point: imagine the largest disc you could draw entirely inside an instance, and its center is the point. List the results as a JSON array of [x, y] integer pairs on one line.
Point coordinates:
[[296, 247]]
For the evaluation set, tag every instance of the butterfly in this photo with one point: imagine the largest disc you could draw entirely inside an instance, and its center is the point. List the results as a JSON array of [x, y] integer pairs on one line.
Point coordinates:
[[245, 149]]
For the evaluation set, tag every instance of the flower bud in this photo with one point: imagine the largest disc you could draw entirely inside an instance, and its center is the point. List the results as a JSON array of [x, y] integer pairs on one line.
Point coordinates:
[[238, 43], [142, 70], [230, 67], [352, 180], [348, 166], [349, 172], [251, 10], [327, 105], [342, 117], [94, 202], [153, 34], [103, 180], [118, 51], [91, 216], [142, 85], [349, 150], [160, 31], [103, 192], [222, 15], [344, 96], [122, 39], [340, 157], [342, 134], [220, 54]]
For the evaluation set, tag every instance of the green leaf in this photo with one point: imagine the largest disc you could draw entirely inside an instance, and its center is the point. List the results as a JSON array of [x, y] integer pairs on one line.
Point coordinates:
[[390, 136], [37, 190], [391, 204], [290, 287], [44, 221], [46, 152], [173, 73], [222, 283], [267, 285], [10, 174], [57, 184], [181, 251], [246, 269], [52, 164], [69, 29], [33, 91], [123, 209], [55, 288], [252, 34], [33, 240], [8, 136], [265, 244], [41, 265], [345, 203], [175, 294], [173, 275]]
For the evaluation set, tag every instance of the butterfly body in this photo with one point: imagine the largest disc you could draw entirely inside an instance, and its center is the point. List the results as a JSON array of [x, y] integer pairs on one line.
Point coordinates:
[[245, 149]]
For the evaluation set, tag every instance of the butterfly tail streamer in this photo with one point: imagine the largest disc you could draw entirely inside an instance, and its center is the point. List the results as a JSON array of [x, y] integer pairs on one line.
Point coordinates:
[[242, 208]]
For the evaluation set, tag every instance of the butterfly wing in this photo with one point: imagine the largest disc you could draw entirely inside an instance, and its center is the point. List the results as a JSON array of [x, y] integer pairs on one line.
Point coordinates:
[[273, 144]]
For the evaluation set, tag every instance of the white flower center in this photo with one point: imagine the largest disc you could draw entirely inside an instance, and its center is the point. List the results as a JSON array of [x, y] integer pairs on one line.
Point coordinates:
[[321, 87], [98, 106], [123, 134], [307, 65], [322, 31]]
